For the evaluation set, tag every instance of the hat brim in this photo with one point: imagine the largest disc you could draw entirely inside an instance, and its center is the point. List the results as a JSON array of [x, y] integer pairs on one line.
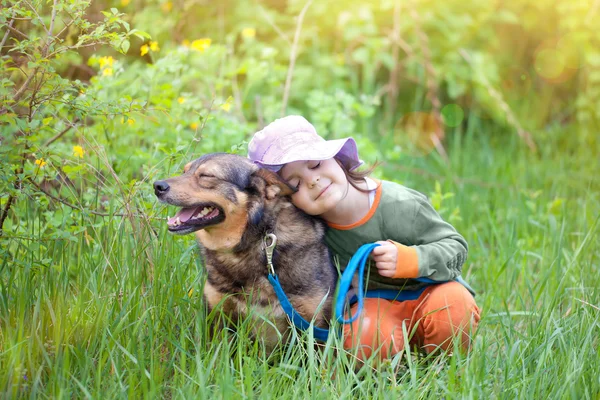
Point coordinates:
[[345, 150]]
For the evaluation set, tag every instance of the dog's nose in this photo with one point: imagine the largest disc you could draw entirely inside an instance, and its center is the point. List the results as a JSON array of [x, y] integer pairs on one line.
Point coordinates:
[[161, 187]]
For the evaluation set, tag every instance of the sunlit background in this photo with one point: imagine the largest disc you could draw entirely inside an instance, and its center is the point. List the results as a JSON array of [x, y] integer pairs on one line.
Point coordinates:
[[404, 72]]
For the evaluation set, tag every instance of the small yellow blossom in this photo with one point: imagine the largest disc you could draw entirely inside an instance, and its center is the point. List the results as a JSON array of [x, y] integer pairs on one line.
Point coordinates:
[[194, 125], [201, 44], [166, 6], [40, 162], [128, 121], [125, 3], [249, 33], [107, 72], [144, 49], [181, 100], [190, 292], [106, 61], [78, 151], [227, 105], [154, 46], [185, 43]]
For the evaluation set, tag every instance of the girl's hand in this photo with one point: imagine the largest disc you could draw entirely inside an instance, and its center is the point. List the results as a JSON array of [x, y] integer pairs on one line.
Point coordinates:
[[385, 257]]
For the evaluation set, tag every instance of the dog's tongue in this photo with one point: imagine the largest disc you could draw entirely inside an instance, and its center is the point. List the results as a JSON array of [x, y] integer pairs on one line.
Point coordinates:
[[184, 215]]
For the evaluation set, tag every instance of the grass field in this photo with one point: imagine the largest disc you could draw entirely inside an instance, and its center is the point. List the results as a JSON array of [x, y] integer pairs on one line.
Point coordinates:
[[117, 312]]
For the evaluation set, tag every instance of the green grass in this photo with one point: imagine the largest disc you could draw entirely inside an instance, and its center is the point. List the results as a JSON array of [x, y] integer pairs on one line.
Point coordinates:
[[110, 313]]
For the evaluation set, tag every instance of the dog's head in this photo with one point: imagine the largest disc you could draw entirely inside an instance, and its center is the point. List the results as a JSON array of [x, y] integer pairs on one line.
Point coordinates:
[[216, 190]]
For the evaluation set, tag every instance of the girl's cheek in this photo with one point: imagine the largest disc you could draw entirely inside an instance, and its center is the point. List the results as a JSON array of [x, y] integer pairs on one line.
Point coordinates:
[[296, 200], [299, 202]]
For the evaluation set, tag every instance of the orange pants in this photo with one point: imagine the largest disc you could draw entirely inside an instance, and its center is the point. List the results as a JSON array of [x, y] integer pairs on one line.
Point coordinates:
[[432, 321]]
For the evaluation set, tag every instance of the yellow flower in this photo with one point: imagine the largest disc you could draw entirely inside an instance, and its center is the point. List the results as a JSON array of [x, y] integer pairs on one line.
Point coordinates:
[[107, 72], [106, 61], [154, 46], [181, 100], [227, 105], [185, 43], [40, 162], [78, 151], [125, 3], [144, 49], [249, 33], [194, 125], [166, 6], [130, 121], [201, 44]]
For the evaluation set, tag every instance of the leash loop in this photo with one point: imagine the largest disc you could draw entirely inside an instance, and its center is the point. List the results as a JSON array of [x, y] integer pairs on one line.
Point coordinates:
[[357, 262]]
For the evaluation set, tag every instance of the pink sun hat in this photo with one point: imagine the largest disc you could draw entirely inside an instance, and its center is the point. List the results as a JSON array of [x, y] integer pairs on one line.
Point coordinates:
[[293, 138]]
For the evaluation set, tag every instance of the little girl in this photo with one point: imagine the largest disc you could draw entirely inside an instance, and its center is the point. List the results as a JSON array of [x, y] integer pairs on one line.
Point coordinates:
[[414, 240]]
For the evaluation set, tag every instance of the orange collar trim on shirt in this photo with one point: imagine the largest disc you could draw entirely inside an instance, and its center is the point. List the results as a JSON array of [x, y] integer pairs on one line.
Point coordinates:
[[363, 219]]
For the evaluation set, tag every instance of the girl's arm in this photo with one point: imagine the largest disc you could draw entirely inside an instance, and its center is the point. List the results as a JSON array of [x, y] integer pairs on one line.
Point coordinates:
[[435, 251]]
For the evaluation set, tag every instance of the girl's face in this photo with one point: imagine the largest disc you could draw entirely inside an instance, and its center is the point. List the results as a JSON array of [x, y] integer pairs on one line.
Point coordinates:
[[320, 185]]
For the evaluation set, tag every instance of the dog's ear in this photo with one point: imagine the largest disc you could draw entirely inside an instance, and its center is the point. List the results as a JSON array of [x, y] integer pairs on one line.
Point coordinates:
[[275, 185]]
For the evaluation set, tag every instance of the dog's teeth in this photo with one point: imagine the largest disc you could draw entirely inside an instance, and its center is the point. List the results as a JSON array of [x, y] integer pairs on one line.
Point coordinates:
[[177, 221]]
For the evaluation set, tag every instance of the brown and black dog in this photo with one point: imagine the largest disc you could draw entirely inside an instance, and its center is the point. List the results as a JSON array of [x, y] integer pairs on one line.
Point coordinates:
[[232, 204]]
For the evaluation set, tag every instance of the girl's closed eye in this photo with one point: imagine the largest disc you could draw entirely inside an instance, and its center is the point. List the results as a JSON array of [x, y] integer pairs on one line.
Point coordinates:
[[295, 183], [315, 166]]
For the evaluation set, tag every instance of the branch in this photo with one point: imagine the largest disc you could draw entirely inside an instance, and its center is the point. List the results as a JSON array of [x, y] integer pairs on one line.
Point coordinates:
[[5, 38], [5, 213], [288, 80], [73, 206], [52, 23], [37, 15], [59, 135], [24, 87], [279, 32], [15, 30]]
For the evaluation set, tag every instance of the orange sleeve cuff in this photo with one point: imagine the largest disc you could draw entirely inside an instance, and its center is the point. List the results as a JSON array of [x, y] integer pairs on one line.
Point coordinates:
[[407, 264]]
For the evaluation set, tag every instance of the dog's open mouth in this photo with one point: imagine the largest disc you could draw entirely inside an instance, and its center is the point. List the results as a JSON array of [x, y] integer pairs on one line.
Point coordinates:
[[190, 219]]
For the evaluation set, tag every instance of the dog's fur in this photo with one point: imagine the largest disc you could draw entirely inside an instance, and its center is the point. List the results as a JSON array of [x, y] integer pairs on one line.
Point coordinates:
[[250, 203]]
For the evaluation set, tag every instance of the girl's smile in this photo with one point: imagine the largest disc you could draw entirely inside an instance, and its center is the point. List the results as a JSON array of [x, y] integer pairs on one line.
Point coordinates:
[[323, 191]]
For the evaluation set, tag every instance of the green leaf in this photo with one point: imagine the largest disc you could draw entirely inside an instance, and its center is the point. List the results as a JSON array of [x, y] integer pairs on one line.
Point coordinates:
[[140, 34], [124, 46]]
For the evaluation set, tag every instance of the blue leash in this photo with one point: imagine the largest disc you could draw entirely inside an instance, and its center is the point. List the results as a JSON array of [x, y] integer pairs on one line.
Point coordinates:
[[297, 320], [358, 261]]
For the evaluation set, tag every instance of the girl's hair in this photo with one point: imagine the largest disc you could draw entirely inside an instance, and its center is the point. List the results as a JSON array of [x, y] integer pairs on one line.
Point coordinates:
[[357, 177]]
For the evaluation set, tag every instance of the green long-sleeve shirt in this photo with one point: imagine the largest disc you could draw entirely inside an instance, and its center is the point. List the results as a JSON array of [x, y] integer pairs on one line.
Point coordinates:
[[428, 246]]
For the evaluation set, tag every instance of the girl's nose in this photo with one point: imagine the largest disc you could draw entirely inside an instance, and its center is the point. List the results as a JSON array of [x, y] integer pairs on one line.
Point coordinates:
[[314, 181]]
